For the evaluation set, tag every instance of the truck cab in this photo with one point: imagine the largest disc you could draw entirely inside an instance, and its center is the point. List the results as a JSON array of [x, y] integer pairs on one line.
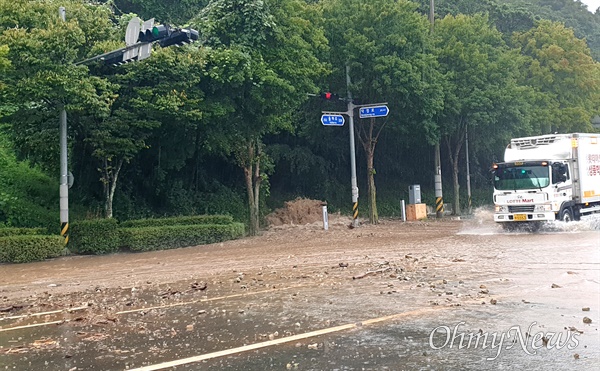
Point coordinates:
[[546, 178], [526, 191]]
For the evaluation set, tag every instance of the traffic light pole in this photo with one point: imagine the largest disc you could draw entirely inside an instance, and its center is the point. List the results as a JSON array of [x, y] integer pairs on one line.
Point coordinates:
[[166, 37], [336, 119], [352, 151], [64, 176]]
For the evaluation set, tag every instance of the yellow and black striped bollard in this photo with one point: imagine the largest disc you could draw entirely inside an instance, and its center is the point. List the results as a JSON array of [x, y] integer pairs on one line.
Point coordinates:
[[439, 206], [64, 232]]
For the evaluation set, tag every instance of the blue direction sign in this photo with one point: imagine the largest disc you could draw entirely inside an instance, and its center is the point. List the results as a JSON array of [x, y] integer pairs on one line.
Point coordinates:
[[332, 120], [375, 111]]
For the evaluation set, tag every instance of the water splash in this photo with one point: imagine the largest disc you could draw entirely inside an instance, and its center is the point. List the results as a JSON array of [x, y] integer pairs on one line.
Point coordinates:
[[482, 223], [587, 223]]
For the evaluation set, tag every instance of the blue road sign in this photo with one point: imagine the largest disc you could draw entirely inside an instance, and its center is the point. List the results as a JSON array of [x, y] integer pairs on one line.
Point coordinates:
[[332, 120], [375, 111]]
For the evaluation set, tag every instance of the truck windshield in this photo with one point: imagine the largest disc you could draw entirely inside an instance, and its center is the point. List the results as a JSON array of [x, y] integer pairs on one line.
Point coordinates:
[[521, 177]]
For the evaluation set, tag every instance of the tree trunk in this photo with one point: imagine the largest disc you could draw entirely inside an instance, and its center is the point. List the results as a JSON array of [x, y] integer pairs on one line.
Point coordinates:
[[195, 180], [109, 181], [456, 187], [373, 215], [257, 183], [253, 180], [368, 140], [454, 156]]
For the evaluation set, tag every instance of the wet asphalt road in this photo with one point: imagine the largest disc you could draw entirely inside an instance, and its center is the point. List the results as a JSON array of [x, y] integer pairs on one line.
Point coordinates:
[[518, 297]]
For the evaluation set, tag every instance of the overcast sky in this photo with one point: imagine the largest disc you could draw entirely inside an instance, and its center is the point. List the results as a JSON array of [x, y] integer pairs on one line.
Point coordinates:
[[591, 4]]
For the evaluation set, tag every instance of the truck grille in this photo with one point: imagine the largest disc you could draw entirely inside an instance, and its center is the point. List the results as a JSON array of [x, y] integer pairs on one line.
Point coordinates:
[[533, 142], [521, 209]]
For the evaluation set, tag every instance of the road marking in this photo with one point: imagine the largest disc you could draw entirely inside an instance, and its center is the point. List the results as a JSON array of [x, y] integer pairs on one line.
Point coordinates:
[[69, 310], [136, 310], [245, 348], [32, 325], [206, 300]]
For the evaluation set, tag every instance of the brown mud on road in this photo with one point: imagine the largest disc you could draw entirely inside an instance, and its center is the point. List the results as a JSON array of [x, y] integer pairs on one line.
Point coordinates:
[[286, 249], [385, 286]]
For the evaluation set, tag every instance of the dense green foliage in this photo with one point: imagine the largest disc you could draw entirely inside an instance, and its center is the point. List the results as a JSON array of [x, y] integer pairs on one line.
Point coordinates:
[[28, 248], [9, 231], [180, 220], [104, 236], [28, 197], [520, 15], [94, 236], [174, 236], [226, 125]]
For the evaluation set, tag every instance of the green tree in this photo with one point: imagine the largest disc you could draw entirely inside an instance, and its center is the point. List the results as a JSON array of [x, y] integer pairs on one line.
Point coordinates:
[[42, 52], [159, 105], [481, 92], [271, 47], [4, 67], [386, 45], [165, 11], [566, 79]]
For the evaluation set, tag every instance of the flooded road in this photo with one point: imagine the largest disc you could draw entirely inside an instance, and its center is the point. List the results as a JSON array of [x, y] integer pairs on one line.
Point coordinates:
[[433, 295]]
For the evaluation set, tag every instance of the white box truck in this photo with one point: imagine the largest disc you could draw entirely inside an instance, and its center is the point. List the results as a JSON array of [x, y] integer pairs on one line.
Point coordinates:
[[547, 177]]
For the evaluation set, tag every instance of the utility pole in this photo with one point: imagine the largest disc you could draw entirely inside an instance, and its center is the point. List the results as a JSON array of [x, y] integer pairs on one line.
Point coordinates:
[[352, 151], [337, 119], [439, 199], [64, 176]]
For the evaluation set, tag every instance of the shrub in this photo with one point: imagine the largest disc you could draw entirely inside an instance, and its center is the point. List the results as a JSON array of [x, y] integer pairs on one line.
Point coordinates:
[[94, 236], [178, 220], [220, 199], [174, 236], [28, 197], [9, 231], [28, 248]]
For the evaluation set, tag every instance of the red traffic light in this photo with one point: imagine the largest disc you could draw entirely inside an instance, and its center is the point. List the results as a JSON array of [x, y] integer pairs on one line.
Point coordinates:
[[329, 96]]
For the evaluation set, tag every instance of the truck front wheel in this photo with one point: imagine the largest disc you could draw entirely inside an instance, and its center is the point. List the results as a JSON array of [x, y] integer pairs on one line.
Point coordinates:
[[566, 215]]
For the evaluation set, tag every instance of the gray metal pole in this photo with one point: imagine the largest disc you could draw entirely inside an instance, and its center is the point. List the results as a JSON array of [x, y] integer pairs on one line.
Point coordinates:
[[439, 198], [431, 15], [352, 151], [64, 176], [468, 172]]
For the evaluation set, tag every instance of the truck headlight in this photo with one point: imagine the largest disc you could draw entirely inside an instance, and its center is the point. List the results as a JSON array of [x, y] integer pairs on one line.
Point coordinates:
[[543, 208], [501, 209]]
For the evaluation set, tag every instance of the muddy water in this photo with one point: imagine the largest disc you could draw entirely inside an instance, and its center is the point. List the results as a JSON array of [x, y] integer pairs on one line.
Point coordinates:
[[466, 275]]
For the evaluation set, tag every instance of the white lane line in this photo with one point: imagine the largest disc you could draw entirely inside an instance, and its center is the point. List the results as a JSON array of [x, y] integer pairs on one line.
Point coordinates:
[[69, 310], [208, 299], [32, 325], [245, 348], [136, 310]]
